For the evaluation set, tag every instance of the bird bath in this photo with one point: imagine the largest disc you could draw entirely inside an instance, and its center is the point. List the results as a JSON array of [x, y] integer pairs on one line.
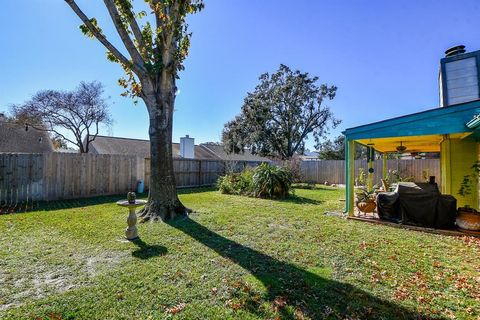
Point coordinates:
[[131, 232]]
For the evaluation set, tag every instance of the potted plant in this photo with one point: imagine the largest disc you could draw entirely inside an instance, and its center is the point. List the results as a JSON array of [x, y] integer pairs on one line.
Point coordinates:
[[366, 200], [467, 217]]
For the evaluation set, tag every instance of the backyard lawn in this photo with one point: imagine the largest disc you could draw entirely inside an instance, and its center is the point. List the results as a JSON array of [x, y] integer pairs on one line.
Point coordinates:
[[237, 257]]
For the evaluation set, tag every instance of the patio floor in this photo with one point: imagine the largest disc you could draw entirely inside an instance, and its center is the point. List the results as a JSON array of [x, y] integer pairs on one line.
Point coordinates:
[[373, 218]]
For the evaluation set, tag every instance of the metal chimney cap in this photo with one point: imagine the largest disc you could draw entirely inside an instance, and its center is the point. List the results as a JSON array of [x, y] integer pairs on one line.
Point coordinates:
[[455, 50]]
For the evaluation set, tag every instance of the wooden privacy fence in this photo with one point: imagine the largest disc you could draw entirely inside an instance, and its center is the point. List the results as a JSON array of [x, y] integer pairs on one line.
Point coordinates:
[[53, 176], [333, 171], [200, 172]]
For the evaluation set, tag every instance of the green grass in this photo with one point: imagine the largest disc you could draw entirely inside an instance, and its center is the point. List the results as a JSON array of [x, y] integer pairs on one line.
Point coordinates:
[[235, 258]]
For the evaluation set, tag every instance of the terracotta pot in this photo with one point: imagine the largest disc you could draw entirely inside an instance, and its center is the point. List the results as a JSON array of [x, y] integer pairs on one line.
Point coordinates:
[[468, 219], [367, 206]]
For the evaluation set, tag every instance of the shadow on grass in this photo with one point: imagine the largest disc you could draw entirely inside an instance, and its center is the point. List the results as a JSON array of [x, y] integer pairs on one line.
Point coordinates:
[[299, 200], [82, 202], [316, 187], [146, 251], [291, 290]]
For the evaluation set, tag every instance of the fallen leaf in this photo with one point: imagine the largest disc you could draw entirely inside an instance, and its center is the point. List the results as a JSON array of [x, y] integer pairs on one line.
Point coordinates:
[[175, 309]]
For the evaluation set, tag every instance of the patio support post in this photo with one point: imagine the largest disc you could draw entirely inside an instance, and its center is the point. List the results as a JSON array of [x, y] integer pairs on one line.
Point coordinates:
[[349, 175], [384, 166]]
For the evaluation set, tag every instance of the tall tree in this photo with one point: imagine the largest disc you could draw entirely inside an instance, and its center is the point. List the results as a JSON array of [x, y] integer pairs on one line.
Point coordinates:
[[335, 149], [79, 112], [276, 119], [156, 51]]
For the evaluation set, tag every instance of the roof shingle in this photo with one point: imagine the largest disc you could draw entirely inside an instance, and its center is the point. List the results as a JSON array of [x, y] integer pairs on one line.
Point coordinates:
[[14, 138]]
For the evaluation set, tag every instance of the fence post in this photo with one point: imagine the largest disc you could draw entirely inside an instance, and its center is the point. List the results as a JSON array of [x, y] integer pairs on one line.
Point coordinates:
[[200, 172]]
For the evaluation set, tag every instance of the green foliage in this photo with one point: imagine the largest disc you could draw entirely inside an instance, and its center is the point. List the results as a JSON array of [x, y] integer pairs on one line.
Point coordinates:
[[394, 176], [466, 186], [335, 149], [86, 31], [111, 57], [310, 185], [237, 183], [270, 181], [276, 119], [265, 181], [152, 49], [294, 165], [364, 195], [468, 180], [361, 179]]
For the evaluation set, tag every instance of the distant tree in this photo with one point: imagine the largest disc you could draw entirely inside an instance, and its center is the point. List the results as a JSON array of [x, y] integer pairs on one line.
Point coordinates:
[[276, 119], [335, 149], [59, 143], [156, 51], [79, 112]]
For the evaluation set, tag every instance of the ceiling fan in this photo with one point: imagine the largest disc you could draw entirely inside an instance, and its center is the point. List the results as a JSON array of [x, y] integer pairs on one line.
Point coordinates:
[[401, 148]]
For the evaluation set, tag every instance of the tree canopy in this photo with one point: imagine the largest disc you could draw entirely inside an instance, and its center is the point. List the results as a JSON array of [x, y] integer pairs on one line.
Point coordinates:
[[280, 114], [79, 112], [335, 149]]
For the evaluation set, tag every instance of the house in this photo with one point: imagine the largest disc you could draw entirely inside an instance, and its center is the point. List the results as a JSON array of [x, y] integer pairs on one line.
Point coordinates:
[[186, 149], [219, 151], [309, 156], [452, 129], [19, 138], [140, 147]]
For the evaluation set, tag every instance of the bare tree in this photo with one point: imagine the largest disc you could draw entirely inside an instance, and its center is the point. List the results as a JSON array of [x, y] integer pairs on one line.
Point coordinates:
[[156, 51], [79, 112]]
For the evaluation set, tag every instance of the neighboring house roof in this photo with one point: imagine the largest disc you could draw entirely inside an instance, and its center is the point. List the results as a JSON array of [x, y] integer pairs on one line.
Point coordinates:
[[220, 152], [311, 153], [117, 145], [311, 157], [62, 150], [14, 138]]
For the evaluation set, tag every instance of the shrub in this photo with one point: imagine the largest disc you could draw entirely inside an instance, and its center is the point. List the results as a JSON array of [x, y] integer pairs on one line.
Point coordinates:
[[265, 181], [237, 183], [294, 165], [271, 181]]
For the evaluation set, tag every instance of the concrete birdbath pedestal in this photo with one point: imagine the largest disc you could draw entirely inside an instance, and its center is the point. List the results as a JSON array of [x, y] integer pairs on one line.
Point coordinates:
[[131, 232]]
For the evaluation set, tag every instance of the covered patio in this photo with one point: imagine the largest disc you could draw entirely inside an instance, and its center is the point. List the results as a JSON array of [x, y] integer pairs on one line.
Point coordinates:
[[452, 131]]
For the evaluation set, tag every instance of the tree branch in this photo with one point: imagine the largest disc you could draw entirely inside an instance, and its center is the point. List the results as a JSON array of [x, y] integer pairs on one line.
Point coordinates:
[[137, 32], [122, 32], [100, 37]]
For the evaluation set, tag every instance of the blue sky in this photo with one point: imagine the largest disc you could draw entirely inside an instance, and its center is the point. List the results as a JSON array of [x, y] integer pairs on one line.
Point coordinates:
[[382, 55]]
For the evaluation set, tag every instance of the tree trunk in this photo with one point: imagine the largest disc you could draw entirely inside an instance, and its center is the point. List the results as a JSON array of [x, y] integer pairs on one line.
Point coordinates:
[[163, 203]]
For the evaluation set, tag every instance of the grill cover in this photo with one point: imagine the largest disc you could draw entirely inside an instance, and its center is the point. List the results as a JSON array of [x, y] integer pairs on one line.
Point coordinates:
[[419, 204]]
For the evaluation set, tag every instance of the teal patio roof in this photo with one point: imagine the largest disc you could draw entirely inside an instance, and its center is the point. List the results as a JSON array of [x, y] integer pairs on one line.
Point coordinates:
[[438, 121]]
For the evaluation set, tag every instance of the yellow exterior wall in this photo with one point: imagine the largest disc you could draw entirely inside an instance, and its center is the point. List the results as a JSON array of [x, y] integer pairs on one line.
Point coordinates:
[[457, 158], [478, 182]]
